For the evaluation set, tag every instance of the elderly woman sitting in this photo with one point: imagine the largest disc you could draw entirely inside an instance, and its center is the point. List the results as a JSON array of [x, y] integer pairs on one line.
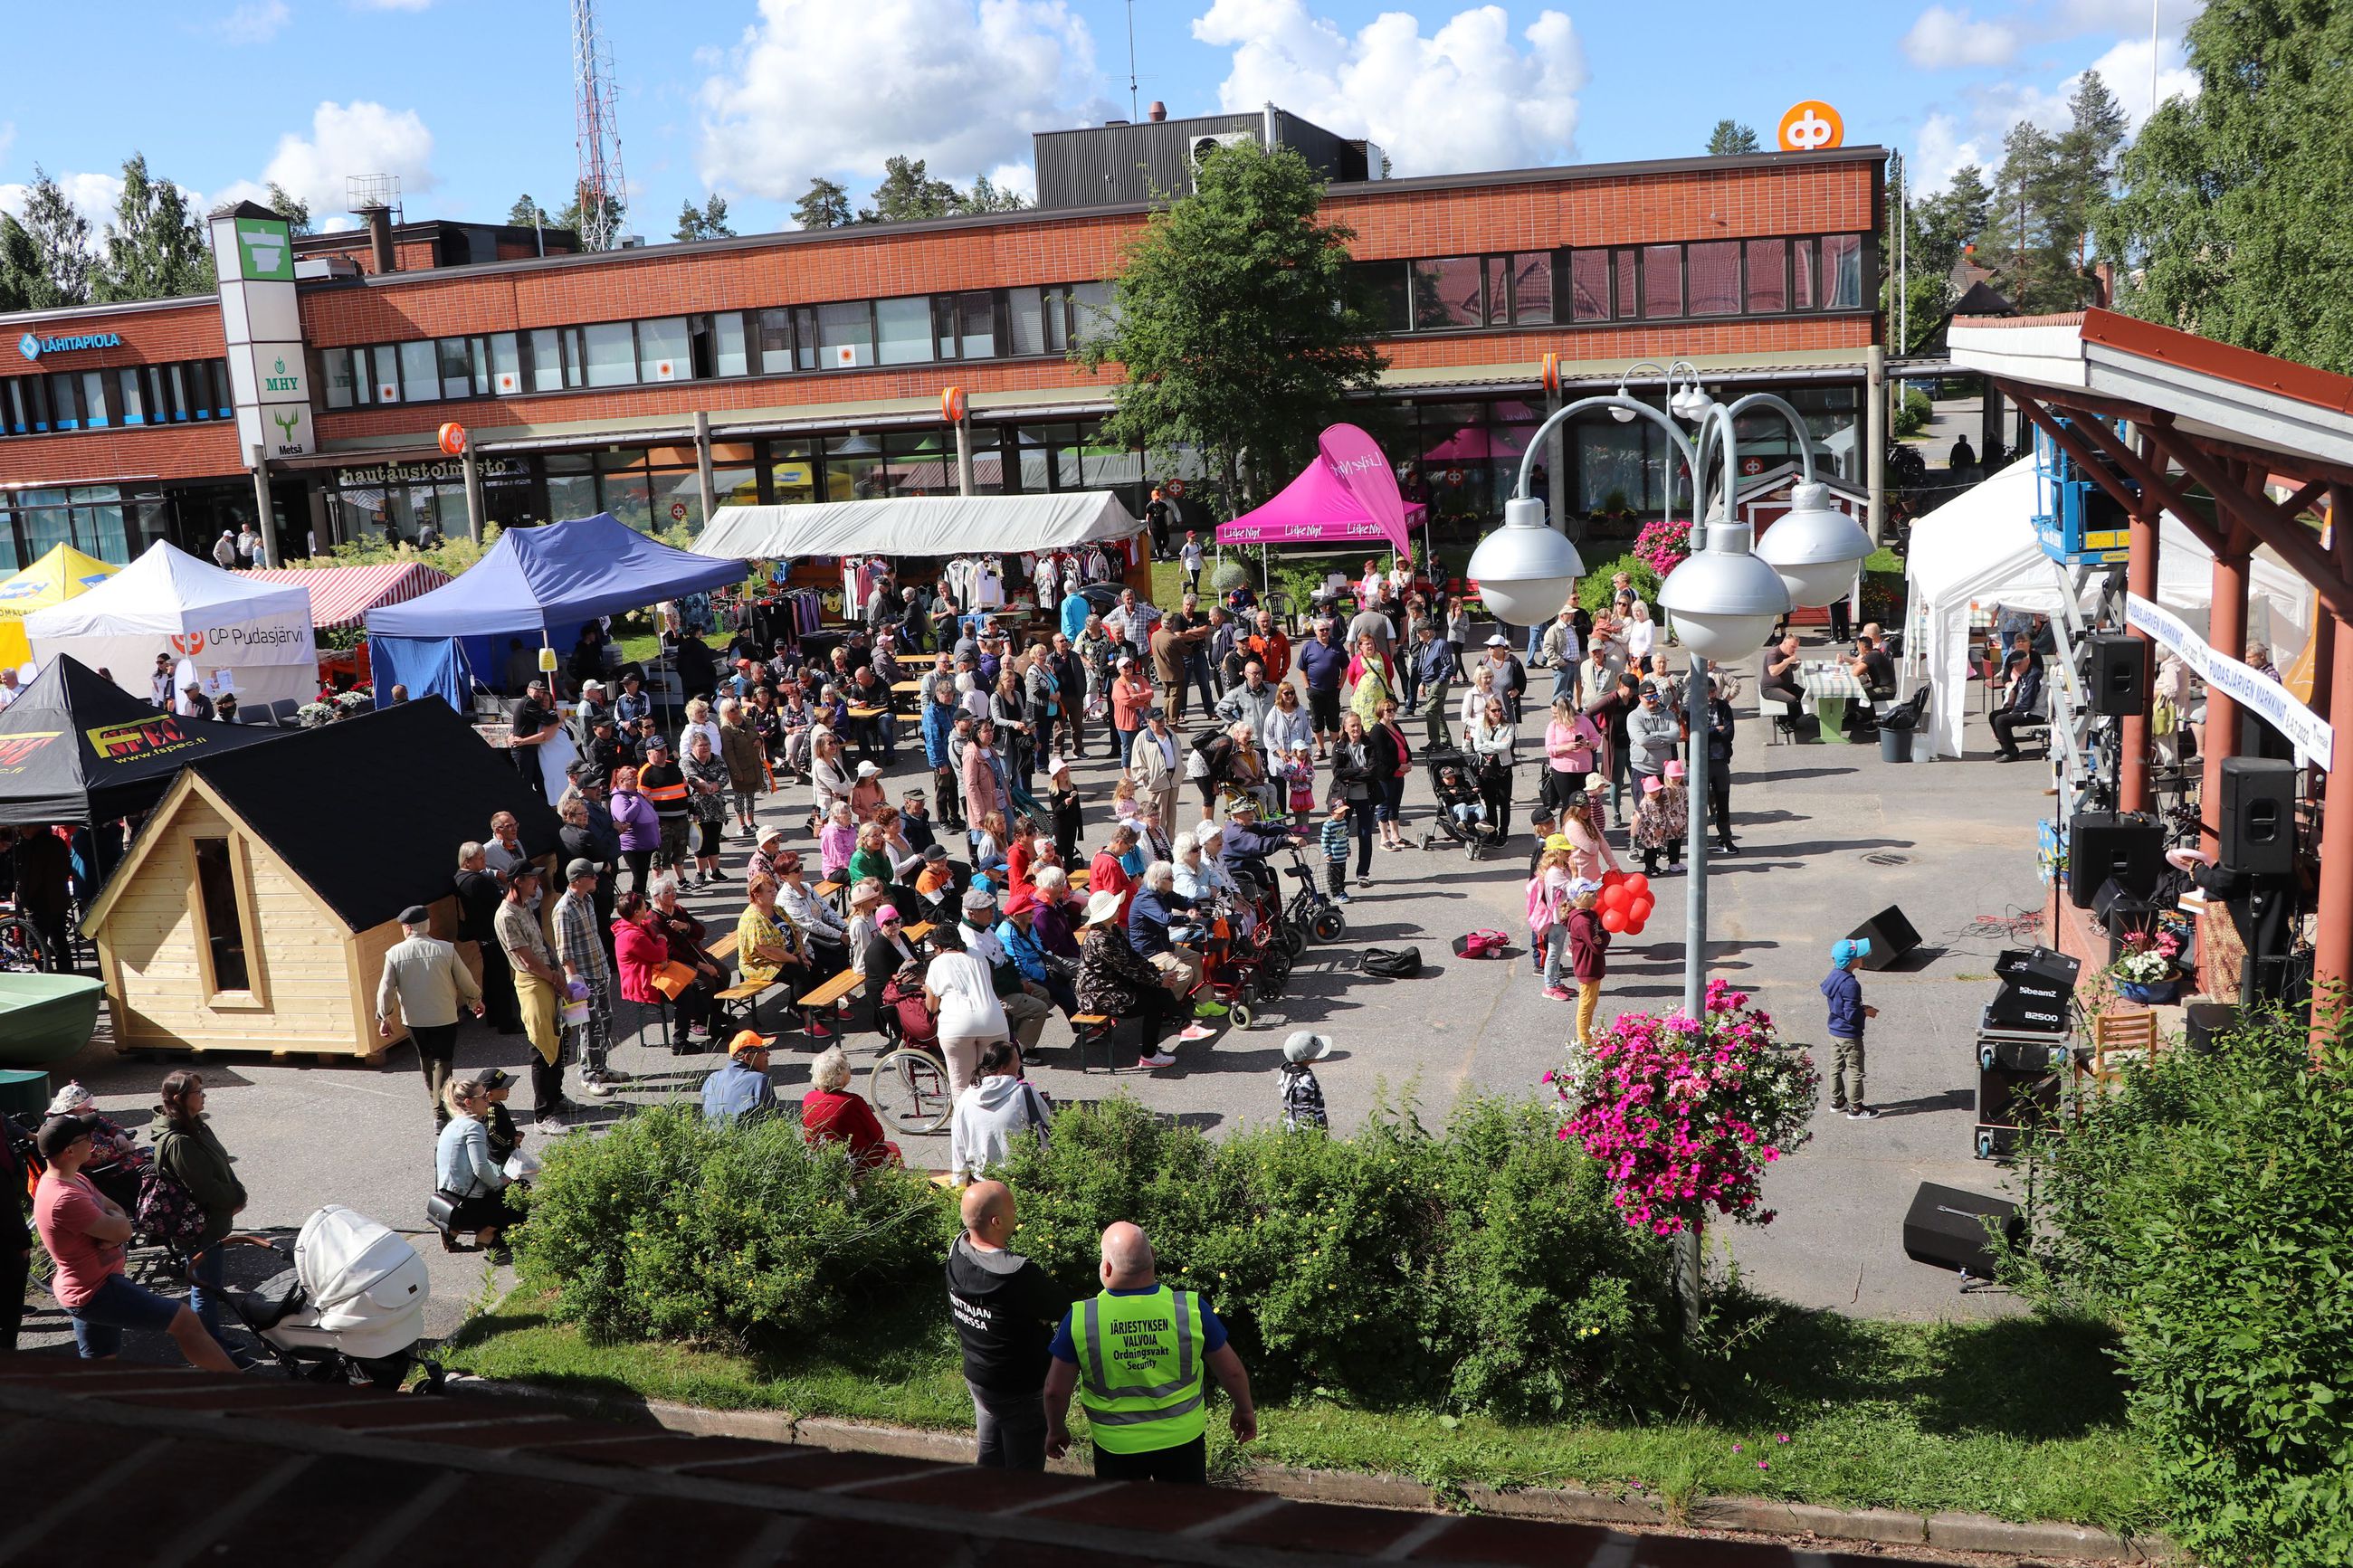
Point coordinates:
[[1116, 981], [1203, 878], [1160, 927], [833, 1112]]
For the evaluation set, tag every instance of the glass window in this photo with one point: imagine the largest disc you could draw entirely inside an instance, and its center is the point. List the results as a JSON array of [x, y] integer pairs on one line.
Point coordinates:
[[65, 400], [335, 376], [1094, 311], [1057, 306], [1801, 273], [546, 360], [662, 350], [506, 363], [1662, 280], [1531, 288], [773, 330], [1446, 293], [1630, 288], [131, 395], [1499, 290], [224, 405], [1589, 286], [457, 369], [223, 918], [944, 324], [95, 410], [1715, 271], [420, 371], [1026, 321], [792, 473], [1769, 275], [571, 495], [733, 355], [1385, 292], [845, 335], [903, 330], [630, 499], [805, 337], [611, 352], [1842, 271], [976, 325]]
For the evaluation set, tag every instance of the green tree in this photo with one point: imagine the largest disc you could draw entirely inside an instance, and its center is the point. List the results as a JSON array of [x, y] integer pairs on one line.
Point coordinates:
[[2051, 191], [528, 214], [155, 248], [985, 198], [1923, 276], [1964, 207], [291, 208], [1235, 324], [574, 217], [825, 205], [45, 257], [1730, 136], [908, 192], [2087, 163], [707, 222], [2222, 223]]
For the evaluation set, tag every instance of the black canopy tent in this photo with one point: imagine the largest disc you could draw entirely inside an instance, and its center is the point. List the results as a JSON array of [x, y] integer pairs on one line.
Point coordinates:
[[75, 747]]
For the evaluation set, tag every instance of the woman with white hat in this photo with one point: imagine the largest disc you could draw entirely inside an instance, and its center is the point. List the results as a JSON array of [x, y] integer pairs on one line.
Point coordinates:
[[1117, 982]]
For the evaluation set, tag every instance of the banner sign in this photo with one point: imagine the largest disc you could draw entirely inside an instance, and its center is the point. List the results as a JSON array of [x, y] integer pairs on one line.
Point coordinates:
[[2250, 688]]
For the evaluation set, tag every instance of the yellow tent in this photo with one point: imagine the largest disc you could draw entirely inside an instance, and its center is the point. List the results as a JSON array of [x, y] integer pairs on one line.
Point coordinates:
[[56, 577]]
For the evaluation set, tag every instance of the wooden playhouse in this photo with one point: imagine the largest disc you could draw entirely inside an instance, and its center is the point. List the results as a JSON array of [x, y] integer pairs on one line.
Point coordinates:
[[253, 910]]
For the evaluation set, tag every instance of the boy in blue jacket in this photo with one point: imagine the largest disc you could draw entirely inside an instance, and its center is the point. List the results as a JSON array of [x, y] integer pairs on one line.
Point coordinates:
[[1844, 993]]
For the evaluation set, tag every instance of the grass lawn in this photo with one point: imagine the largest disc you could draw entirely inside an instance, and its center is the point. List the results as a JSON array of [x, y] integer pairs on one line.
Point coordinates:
[[2019, 1419]]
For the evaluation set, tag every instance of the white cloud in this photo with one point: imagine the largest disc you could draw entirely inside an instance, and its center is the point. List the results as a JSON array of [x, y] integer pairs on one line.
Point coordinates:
[[256, 22], [92, 196], [1021, 177], [2124, 68], [1941, 39], [1467, 97], [966, 84], [357, 138], [2127, 17], [1939, 153]]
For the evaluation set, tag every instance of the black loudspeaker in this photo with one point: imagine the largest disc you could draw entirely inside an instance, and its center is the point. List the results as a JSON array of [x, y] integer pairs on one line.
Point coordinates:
[[2028, 1005], [2127, 845], [1890, 937], [2201, 1022], [2121, 913], [2258, 817], [2117, 673], [1946, 1228], [2040, 962]]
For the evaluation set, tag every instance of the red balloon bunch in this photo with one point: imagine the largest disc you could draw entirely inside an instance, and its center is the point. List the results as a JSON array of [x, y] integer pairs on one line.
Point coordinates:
[[1626, 902]]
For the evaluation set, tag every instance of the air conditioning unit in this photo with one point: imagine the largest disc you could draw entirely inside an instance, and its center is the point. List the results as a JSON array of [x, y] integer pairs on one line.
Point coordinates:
[[1205, 145]]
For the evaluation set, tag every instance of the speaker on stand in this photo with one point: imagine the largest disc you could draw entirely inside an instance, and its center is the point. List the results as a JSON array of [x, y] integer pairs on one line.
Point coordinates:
[[2258, 817], [2127, 845], [2116, 673]]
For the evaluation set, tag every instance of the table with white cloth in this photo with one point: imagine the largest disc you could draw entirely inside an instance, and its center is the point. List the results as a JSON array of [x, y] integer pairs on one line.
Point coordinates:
[[1828, 688]]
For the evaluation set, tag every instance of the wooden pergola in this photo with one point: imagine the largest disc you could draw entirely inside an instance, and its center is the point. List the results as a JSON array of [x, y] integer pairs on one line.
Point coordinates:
[[2233, 424]]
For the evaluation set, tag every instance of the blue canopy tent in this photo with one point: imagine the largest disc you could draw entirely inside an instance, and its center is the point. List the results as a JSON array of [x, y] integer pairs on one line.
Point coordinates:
[[535, 582]]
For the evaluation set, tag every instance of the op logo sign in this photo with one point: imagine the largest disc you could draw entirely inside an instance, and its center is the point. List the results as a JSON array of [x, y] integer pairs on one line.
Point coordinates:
[[1811, 126], [187, 645], [265, 251]]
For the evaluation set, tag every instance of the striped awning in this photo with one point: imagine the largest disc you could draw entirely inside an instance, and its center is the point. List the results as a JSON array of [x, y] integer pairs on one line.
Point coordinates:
[[341, 596]]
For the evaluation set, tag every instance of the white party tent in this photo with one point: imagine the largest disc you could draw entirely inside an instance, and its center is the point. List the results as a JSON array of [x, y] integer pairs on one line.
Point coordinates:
[[1980, 550], [167, 600], [918, 525]]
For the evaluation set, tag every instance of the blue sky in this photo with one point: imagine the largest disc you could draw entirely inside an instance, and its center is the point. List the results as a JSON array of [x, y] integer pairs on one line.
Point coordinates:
[[470, 100]]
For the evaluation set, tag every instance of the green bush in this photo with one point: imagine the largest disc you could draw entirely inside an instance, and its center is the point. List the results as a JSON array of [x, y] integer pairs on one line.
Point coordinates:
[[1911, 414], [1593, 588], [2202, 1208], [671, 1227]]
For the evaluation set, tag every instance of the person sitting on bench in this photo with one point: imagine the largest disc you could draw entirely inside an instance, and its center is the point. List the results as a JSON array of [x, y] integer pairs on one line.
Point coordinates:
[[2022, 703]]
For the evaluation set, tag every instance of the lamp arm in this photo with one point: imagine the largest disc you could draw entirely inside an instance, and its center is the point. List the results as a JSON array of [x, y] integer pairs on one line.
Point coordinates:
[[1567, 410], [1779, 404]]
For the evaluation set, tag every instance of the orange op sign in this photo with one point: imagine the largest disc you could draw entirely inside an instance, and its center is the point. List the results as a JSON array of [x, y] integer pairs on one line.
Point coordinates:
[[1810, 126]]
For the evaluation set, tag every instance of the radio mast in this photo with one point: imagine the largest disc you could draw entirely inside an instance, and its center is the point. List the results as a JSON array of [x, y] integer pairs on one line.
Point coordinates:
[[599, 186]]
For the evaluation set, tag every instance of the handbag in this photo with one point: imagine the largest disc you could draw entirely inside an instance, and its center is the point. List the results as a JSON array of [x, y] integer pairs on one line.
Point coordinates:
[[441, 1213], [1393, 962]]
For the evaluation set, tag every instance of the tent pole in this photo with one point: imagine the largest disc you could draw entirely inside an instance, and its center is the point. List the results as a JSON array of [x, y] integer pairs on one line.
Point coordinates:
[[268, 520]]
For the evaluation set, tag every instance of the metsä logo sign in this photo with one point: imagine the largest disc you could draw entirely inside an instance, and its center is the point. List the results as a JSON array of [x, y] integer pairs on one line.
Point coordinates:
[[33, 347]]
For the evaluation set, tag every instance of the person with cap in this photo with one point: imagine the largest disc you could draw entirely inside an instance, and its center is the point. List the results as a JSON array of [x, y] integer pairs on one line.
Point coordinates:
[[663, 784], [1302, 1096], [1511, 675], [632, 703], [591, 711], [192, 702], [1117, 982], [1005, 1308], [85, 1234], [1188, 561], [1135, 1355], [1324, 665], [1026, 1004], [999, 1107], [1542, 821], [1155, 761], [580, 935], [423, 978], [867, 792], [1589, 855], [1548, 914], [741, 1087], [224, 551], [1025, 947], [537, 985], [1653, 731], [533, 724], [767, 848], [1843, 991], [1588, 951]]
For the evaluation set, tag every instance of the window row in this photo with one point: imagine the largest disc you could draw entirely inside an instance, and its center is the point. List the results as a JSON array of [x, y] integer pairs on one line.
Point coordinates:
[[916, 329], [121, 395], [1715, 278]]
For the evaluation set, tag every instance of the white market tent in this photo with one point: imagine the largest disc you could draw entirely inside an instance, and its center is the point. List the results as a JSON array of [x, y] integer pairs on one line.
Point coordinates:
[[167, 600], [1981, 549], [917, 525]]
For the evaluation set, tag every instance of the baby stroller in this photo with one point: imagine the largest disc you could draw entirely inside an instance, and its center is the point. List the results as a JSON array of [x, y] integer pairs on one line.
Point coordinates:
[[1462, 814], [350, 1308]]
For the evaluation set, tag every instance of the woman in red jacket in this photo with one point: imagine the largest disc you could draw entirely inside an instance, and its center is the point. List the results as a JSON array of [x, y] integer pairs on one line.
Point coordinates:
[[641, 951], [831, 1112]]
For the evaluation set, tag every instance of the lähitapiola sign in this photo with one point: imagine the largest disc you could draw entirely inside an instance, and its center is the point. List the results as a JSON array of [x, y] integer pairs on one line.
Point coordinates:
[[33, 347]]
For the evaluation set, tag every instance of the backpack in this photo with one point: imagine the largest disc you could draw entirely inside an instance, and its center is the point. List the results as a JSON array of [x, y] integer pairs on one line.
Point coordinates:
[[1393, 962], [168, 1212], [902, 993], [1481, 943]]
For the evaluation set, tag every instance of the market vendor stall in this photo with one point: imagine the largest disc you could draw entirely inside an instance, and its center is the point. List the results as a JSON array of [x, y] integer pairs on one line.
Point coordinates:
[[928, 526], [75, 748], [61, 575], [342, 596], [1347, 495]]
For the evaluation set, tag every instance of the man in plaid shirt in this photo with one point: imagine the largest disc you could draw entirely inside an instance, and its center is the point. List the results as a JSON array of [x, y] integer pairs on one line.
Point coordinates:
[[582, 954]]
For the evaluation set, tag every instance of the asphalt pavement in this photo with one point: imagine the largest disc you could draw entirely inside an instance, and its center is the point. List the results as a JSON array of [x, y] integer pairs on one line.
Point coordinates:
[[1830, 834]]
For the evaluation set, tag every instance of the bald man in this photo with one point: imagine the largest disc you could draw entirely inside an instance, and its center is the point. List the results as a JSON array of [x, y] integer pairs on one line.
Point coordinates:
[[1134, 1356], [1004, 1308]]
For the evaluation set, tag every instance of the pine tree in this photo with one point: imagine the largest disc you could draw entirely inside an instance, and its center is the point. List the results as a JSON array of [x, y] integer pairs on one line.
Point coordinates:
[[291, 208], [573, 217], [47, 256], [1965, 205], [1730, 136], [908, 194], [155, 248], [528, 213], [707, 222], [19, 265], [1235, 324], [825, 205], [985, 198]]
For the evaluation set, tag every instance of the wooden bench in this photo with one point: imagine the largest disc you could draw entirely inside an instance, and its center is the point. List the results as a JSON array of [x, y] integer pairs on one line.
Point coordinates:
[[917, 932], [723, 949], [745, 993], [827, 997], [1087, 1028]]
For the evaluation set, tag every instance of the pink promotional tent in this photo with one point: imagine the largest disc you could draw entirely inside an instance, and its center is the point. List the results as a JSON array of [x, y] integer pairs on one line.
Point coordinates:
[[1349, 492]]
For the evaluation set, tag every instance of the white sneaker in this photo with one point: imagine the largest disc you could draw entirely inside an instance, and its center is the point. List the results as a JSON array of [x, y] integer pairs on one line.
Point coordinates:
[[595, 1087], [1195, 1032], [1162, 1060]]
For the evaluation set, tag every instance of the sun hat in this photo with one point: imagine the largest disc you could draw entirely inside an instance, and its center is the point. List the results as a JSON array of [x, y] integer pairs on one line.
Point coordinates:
[[1499, 641], [770, 834], [68, 1099], [749, 1040], [1102, 906], [1674, 768], [1558, 841], [863, 894], [869, 771], [1651, 783], [1306, 1046], [1848, 948], [1596, 781], [1582, 886]]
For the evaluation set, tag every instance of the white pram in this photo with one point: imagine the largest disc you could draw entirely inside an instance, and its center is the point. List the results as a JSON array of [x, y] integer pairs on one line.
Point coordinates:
[[351, 1309]]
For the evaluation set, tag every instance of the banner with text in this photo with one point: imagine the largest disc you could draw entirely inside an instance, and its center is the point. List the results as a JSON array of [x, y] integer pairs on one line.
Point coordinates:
[[2249, 688]]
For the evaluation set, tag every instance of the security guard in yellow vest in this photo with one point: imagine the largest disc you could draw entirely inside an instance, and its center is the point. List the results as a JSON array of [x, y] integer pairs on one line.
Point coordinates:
[[1134, 1356]]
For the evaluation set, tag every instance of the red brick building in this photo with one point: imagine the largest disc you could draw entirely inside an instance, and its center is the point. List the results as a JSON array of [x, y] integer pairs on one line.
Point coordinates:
[[816, 360]]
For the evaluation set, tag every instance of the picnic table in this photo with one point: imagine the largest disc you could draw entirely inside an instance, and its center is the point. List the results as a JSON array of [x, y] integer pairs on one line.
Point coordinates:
[[1828, 688]]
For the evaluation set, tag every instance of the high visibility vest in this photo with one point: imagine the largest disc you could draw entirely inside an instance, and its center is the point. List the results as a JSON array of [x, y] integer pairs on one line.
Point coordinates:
[[1140, 1369]]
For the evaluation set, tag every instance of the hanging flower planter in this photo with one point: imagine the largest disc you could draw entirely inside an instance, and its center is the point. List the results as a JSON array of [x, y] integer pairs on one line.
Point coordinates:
[[2149, 994]]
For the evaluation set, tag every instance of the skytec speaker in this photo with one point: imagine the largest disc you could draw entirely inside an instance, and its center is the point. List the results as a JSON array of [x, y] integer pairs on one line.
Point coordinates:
[[1890, 937], [2117, 673], [2127, 845], [2258, 817], [1946, 1229]]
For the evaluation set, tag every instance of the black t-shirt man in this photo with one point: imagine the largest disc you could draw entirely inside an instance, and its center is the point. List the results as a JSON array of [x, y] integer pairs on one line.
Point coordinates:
[[478, 902], [1005, 1311], [530, 716], [1878, 672]]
